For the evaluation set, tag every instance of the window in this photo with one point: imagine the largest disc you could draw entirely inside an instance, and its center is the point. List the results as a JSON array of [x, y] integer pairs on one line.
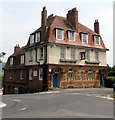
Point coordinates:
[[10, 75], [90, 76], [59, 34], [31, 39], [41, 74], [30, 74], [22, 59], [11, 61], [84, 38], [41, 53], [62, 52], [31, 55], [38, 37], [97, 40], [82, 55], [85, 55], [81, 76], [71, 36], [96, 55], [21, 74], [71, 75], [73, 53]]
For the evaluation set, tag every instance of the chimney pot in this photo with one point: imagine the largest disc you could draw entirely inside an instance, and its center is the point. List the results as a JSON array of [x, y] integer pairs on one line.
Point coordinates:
[[16, 48]]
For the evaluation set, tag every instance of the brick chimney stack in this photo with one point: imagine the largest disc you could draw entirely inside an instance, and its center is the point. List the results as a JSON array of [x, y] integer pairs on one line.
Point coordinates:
[[16, 48], [43, 23], [96, 27], [72, 17]]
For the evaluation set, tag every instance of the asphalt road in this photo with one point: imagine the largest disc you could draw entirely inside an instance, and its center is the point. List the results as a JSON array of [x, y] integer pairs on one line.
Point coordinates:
[[75, 103]]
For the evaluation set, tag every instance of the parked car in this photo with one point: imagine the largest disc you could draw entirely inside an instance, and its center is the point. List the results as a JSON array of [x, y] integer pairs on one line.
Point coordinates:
[[114, 86]]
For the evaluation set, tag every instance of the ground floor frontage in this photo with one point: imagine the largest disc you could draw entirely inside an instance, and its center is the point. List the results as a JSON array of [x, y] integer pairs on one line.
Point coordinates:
[[45, 77]]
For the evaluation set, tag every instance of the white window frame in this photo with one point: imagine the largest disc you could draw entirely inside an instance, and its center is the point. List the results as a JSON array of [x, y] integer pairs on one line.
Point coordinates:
[[32, 39], [62, 34], [31, 55], [62, 52], [69, 36], [41, 74], [95, 39], [90, 76], [87, 55], [37, 37], [11, 60], [73, 53], [22, 57], [41, 53], [71, 75], [21, 74], [84, 39], [97, 55], [30, 74]]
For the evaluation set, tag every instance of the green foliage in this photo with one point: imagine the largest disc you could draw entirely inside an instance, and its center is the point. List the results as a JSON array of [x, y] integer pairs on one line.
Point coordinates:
[[109, 81]]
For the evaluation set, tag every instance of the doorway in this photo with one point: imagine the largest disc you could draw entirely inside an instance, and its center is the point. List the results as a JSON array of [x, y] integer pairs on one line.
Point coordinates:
[[56, 80]]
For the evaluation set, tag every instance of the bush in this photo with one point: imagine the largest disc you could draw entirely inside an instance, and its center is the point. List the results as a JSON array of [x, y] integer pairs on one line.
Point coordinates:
[[109, 81]]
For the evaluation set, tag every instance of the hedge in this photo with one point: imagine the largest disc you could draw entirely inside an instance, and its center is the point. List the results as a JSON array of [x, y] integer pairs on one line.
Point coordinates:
[[109, 81]]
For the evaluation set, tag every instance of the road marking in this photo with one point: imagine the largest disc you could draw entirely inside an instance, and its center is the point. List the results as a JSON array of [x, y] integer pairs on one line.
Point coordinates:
[[2, 105], [23, 109], [16, 100]]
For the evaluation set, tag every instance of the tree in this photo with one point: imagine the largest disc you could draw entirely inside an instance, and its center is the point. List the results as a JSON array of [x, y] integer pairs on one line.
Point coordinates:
[[2, 54]]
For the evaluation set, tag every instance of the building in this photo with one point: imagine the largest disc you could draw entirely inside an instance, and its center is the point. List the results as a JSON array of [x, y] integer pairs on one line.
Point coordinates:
[[61, 53]]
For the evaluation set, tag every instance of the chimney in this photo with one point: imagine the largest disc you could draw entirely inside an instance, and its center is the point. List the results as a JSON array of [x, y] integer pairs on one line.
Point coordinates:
[[44, 17], [96, 27], [72, 17], [43, 23], [16, 48]]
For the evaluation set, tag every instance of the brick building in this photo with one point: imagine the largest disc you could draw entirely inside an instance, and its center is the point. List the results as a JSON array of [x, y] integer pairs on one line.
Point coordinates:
[[61, 53]]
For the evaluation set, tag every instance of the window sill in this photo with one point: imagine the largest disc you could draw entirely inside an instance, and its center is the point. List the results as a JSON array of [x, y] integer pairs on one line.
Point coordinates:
[[92, 62], [68, 60]]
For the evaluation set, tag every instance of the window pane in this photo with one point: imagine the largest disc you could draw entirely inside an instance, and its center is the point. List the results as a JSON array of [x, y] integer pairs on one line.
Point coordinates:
[[22, 59], [59, 34], [30, 74], [31, 39], [71, 35], [84, 38], [38, 37], [41, 53], [96, 55], [72, 53], [62, 52], [41, 74]]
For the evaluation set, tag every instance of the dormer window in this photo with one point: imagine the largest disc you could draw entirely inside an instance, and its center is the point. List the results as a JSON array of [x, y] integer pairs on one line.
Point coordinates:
[[31, 39], [84, 37], [22, 59], [37, 37], [11, 61], [97, 40], [71, 36], [59, 34]]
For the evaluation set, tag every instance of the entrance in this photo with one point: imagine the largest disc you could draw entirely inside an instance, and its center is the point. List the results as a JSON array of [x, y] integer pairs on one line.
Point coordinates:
[[101, 80], [55, 80]]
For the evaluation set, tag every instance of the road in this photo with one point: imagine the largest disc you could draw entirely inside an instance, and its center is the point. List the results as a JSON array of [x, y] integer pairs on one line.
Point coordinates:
[[72, 103]]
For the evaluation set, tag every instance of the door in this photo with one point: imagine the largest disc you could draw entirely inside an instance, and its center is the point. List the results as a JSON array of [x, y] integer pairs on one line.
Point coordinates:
[[55, 81], [101, 80]]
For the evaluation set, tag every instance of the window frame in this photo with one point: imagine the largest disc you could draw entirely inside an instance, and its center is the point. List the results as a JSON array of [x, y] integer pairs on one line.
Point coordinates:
[[83, 39], [73, 53], [22, 59], [62, 33], [30, 55], [62, 52], [41, 74], [32, 39], [36, 37], [21, 74], [95, 39], [30, 74], [41, 53], [71, 75], [96, 55], [69, 36], [11, 60]]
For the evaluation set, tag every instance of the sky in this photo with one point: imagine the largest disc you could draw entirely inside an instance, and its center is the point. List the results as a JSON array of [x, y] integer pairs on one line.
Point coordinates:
[[18, 19]]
